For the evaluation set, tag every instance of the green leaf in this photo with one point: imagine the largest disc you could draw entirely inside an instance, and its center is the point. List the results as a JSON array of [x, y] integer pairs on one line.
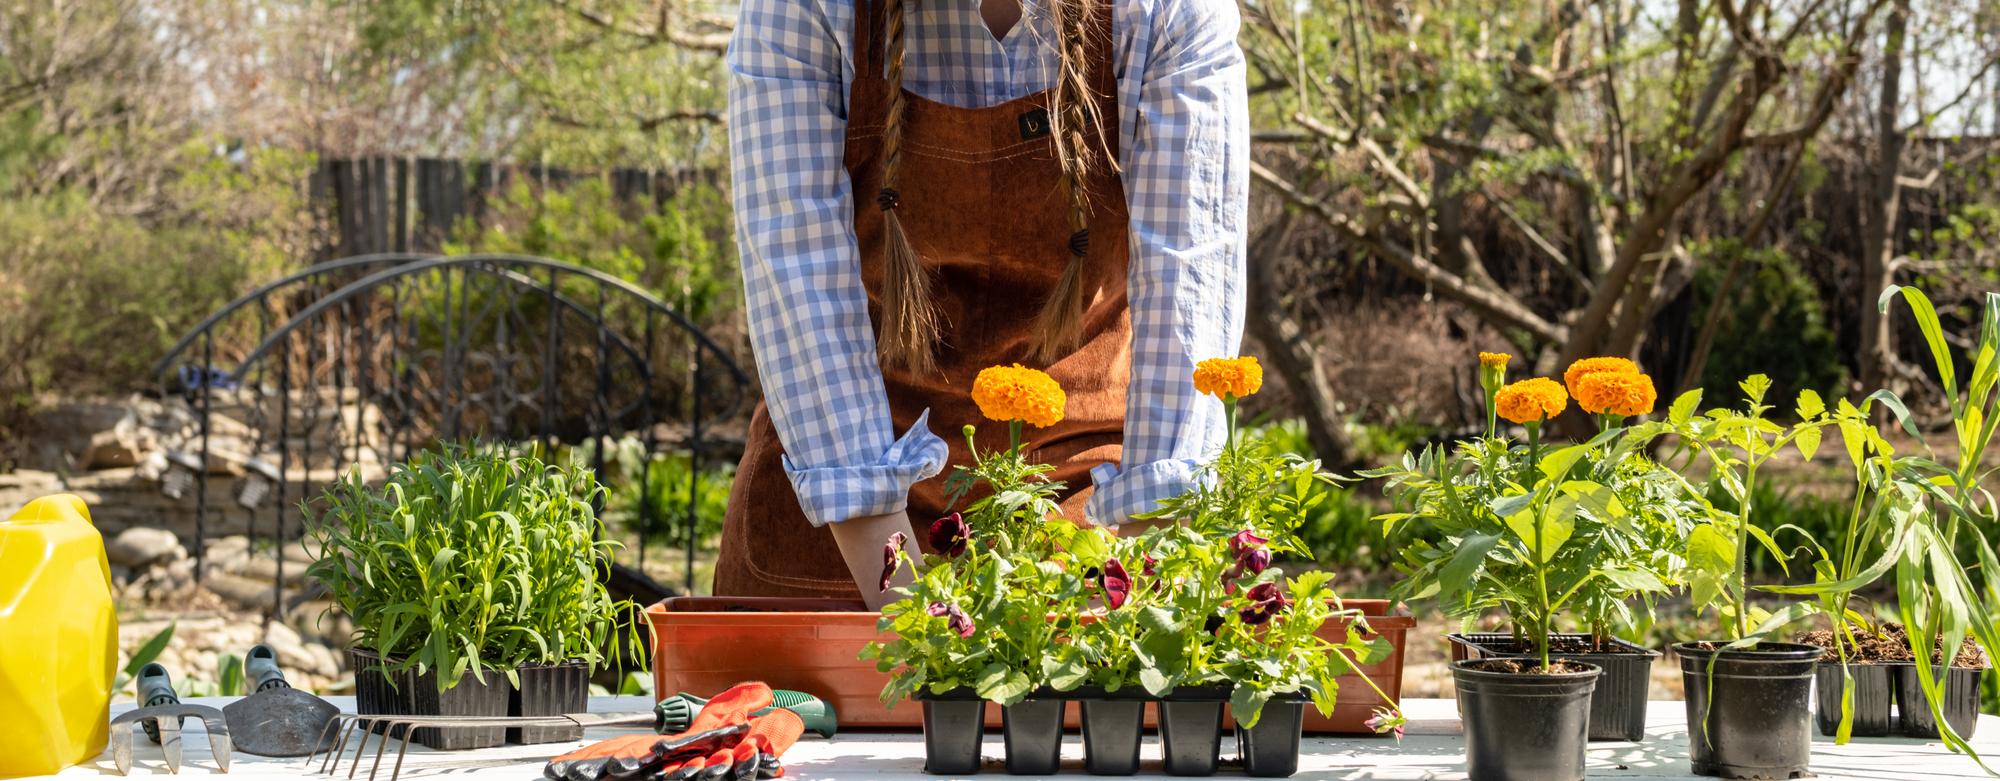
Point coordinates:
[[1247, 704], [1754, 387], [1807, 440], [1810, 404], [1154, 681], [1684, 407], [1559, 463], [1160, 619], [1709, 551], [1002, 684], [1558, 521], [1927, 322], [1472, 550]]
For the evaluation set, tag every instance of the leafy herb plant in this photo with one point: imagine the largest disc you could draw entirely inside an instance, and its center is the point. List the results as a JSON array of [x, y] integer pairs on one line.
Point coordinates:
[[471, 560]]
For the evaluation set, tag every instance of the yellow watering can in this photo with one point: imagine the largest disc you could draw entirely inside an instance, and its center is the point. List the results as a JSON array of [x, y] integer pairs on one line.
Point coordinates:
[[58, 638]]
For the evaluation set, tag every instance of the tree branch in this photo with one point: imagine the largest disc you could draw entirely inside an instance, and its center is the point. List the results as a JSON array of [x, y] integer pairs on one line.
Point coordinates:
[[1495, 305]]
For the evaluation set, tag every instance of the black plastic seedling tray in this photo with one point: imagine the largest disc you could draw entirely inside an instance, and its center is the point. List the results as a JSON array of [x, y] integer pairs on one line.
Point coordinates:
[[1191, 721]]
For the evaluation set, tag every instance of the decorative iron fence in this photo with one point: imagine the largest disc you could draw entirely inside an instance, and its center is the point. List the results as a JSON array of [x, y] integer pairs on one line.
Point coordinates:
[[356, 363]]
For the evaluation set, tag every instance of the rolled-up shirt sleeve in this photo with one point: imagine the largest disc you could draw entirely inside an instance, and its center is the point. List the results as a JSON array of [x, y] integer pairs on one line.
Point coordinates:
[[1186, 178], [808, 311]]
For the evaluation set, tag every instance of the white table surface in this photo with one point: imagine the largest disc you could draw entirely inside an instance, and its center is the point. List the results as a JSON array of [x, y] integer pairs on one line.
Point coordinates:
[[1431, 750]]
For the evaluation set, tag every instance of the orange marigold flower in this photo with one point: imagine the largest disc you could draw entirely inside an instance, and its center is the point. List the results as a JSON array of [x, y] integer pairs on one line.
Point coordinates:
[[1494, 360], [1226, 378], [1532, 400], [1019, 393], [1619, 393], [1589, 366]]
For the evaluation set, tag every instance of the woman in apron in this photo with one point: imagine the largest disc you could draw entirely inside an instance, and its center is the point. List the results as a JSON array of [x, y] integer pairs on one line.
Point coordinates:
[[925, 188]]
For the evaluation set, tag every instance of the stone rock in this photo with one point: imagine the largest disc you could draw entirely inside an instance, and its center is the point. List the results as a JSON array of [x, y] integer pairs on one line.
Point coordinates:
[[140, 546]]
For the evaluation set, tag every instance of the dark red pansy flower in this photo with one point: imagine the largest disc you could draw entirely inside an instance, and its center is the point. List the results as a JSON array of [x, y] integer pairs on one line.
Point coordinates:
[[1213, 625], [890, 561], [1150, 563], [1265, 601], [959, 622], [1244, 540], [1116, 584], [1254, 560], [949, 535]]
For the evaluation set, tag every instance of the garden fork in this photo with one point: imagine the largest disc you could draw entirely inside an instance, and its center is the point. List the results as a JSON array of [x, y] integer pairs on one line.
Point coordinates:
[[168, 717]]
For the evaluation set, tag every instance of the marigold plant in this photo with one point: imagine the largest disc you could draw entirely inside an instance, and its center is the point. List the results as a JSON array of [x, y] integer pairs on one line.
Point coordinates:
[[1531, 401], [1588, 366], [1229, 378], [1019, 394]]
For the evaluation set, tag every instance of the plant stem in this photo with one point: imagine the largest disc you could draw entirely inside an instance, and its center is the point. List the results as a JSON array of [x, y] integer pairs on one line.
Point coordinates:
[[1014, 438], [1743, 548], [1229, 415]]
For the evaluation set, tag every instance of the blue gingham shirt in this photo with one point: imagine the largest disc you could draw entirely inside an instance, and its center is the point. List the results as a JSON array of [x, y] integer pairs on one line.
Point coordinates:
[[1184, 150]]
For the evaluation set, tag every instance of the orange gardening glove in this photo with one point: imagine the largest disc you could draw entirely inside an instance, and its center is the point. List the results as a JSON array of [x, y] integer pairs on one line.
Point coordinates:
[[720, 724], [754, 755], [773, 734]]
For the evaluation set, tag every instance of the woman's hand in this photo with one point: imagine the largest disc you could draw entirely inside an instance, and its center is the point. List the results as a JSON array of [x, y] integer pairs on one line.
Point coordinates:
[[861, 541]]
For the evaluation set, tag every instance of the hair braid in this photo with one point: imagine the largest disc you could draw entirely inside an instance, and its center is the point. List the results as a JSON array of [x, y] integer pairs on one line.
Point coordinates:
[[1071, 118], [910, 327]]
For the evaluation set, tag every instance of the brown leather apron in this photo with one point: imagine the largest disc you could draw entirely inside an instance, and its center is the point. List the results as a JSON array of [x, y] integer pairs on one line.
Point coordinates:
[[982, 203]]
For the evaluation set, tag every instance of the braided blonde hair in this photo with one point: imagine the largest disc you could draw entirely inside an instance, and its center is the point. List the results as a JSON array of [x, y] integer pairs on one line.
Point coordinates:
[[911, 323]]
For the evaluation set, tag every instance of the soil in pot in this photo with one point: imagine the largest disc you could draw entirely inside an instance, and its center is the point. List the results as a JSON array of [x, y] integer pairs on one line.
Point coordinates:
[[549, 690], [1756, 721], [1271, 748], [1524, 724], [1112, 726], [405, 693], [954, 726], [1888, 648], [1032, 730], [1191, 730], [1617, 706]]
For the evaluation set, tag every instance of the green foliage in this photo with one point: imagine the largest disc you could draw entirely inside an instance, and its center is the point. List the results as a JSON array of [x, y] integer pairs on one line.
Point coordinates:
[[651, 499], [145, 655], [1586, 528], [95, 294], [1033, 601], [1773, 297], [1940, 597], [1735, 444], [679, 248], [470, 560]]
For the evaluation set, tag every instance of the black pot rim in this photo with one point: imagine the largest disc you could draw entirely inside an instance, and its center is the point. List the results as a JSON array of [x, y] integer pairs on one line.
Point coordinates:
[[1629, 649], [1767, 653], [1465, 667]]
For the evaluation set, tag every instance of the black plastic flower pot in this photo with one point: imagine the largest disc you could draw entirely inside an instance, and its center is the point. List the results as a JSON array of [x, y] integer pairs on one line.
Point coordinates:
[[380, 691], [954, 727], [1112, 726], [1755, 721], [1033, 730], [1191, 730], [1618, 705], [1271, 748], [1874, 688], [1961, 701], [1521, 726], [549, 690]]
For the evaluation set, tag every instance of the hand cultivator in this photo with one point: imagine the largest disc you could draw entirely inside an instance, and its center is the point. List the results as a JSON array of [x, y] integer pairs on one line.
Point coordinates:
[[357, 729], [168, 718]]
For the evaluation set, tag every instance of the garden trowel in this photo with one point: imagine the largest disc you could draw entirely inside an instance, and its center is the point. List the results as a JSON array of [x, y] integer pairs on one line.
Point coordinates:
[[277, 720]]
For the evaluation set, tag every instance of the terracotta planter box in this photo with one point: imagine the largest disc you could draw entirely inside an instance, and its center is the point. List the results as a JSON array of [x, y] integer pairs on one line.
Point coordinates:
[[703, 645]]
